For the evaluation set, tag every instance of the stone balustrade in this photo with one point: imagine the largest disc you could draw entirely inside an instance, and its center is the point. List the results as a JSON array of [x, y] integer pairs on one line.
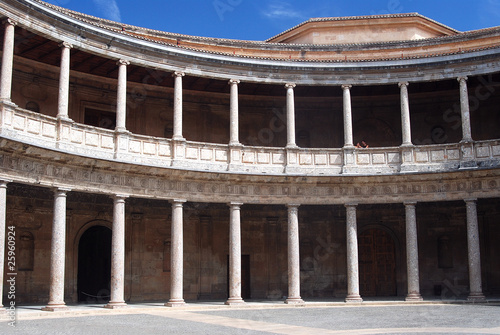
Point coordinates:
[[70, 137]]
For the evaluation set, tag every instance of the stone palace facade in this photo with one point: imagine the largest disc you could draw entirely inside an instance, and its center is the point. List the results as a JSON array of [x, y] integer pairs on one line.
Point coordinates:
[[345, 158]]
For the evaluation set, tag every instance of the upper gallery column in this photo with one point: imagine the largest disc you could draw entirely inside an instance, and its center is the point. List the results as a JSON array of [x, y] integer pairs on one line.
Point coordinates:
[[405, 114], [290, 116], [464, 110], [412, 253], [177, 255], [121, 99], [474, 254], [3, 206], [348, 141], [293, 256], [58, 252], [235, 255], [352, 255], [178, 105], [118, 254], [233, 113], [7, 60], [63, 101]]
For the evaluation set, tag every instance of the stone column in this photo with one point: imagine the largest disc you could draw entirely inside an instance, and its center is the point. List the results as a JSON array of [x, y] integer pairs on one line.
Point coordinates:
[[405, 114], [177, 257], [464, 110], [235, 255], [58, 252], [412, 253], [63, 101], [348, 141], [3, 212], [293, 256], [118, 254], [290, 116], [121, 99], [178, 105], [7, 60], [233, 107], [352, 255], [475, 281]]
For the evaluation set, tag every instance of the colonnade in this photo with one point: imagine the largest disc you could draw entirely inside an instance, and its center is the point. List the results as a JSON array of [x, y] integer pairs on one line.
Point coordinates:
[[58, 253], [121, 105]]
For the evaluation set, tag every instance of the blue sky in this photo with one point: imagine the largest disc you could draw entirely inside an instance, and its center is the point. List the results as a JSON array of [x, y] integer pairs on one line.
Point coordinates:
[[259, 19]]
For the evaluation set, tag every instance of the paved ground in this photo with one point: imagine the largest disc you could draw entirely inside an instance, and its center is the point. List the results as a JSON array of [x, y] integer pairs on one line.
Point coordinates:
[[379, 318]]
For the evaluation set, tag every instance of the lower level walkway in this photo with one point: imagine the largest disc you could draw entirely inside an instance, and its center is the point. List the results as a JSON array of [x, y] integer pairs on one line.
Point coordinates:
[[256, 317]]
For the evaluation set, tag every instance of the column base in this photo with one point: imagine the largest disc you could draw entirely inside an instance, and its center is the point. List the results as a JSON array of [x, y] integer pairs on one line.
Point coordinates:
[[55, 307], [294, 301], [175, 303], [116, 305], [235, 302], [476, 297], [414, 297], [353, 298]]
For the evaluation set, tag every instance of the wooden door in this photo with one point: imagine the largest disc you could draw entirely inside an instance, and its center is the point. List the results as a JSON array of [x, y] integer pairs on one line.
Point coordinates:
[[377, 263]]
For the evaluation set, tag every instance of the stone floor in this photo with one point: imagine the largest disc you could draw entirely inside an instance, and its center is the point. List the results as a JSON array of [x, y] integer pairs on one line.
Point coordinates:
[[263, 317]]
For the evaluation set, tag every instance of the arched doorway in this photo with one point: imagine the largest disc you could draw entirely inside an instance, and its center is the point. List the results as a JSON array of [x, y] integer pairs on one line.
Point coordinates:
[[377, 263], [94, 265]]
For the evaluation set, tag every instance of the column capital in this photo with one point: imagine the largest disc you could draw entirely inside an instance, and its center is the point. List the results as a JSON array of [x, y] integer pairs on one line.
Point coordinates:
[[66, 45], [62, 190], [462, 78], [292, 205], [178, 74], [4, 182], [470, 200], [122, 62], [177, 201], [403, 83], [9, 21], [290, 85], [410, 203], [235, 204], [233, 81], [346, 86], [118, 197], [351, 204]]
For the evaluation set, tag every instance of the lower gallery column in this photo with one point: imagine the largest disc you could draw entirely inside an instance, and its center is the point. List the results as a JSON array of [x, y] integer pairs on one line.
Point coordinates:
[[412, 253], [476, 291], [235, 255], [177, 257], [118, 254], [3, 205], [352, 255], [293, 256], [58, 252]]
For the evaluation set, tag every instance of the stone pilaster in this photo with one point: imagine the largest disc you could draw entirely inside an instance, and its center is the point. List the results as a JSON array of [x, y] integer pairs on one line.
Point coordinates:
[[7, 61], [290, 116], [235, 255], [352, 255], [58, 252], [63, 100], [405, 114], [348, 138], [178, 105], [464, 110], [233, 113], [475, 281], [121, 98], [177, 257], [412, 253], [118, 254], [3, 212], [293, 256]]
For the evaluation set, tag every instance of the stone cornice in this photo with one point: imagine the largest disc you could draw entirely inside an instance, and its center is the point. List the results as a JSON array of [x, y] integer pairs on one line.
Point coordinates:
[[117, 44], [33, 166]]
